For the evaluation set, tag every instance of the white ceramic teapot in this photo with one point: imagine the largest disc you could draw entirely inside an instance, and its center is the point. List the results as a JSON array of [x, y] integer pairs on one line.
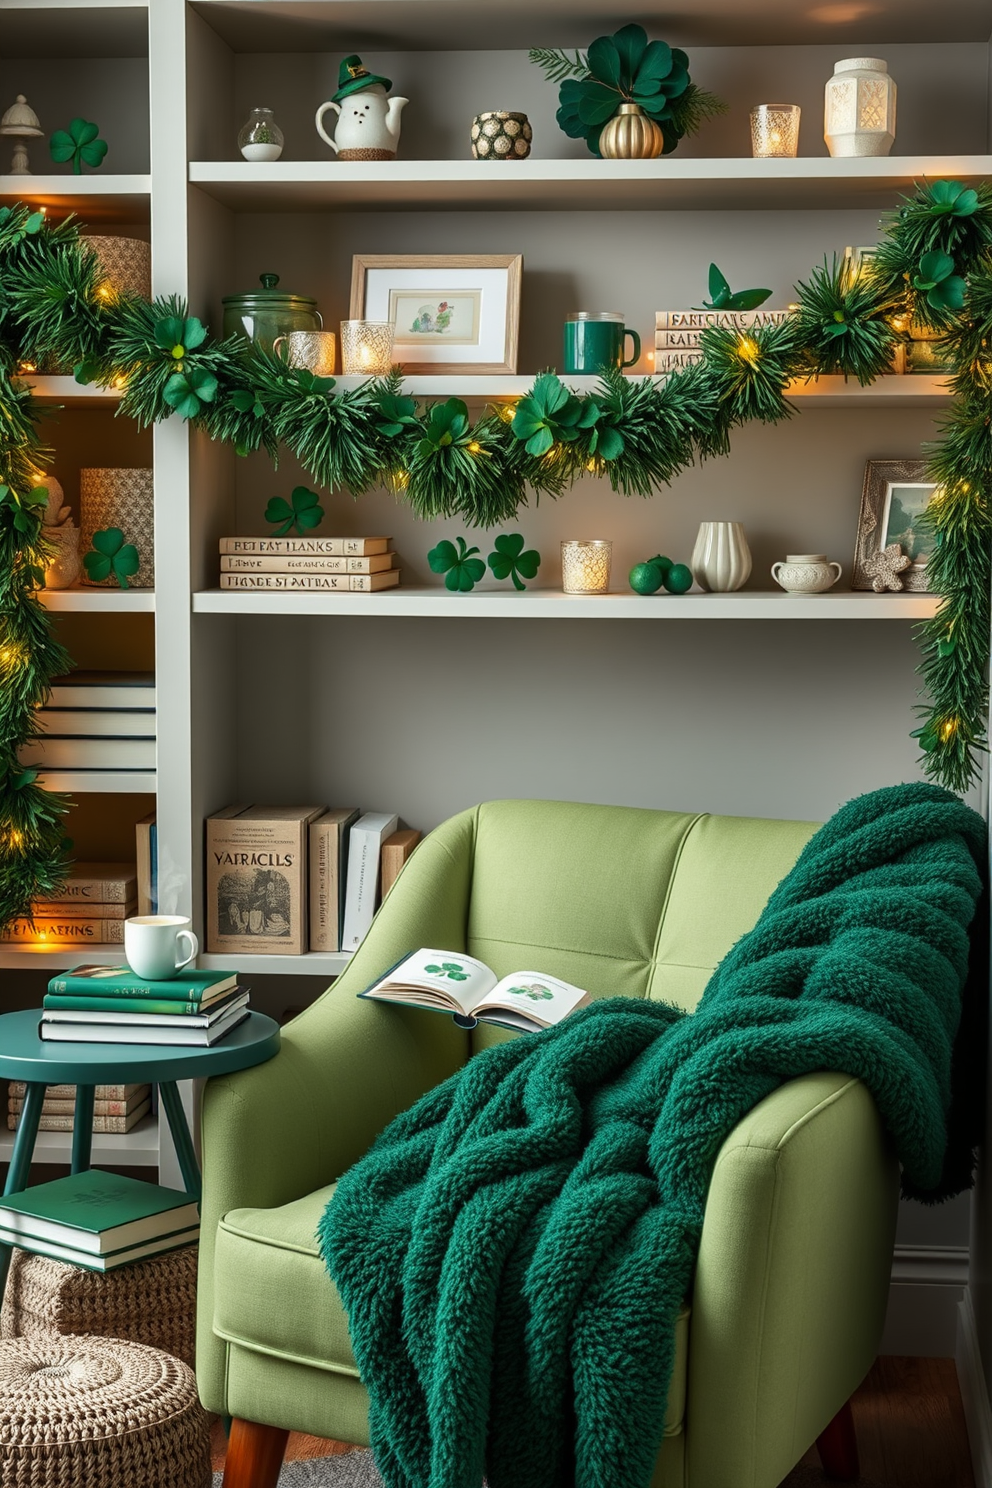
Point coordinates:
[[368, 124]]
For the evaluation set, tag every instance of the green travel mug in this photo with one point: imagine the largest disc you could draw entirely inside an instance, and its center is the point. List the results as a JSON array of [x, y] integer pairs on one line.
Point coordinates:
[[594, 340]]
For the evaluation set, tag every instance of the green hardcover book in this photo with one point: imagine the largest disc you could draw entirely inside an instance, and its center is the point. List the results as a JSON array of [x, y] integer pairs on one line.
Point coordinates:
[[97, 1212], [148, 1012], [120, 981], [144, 1006], [90, 1262]]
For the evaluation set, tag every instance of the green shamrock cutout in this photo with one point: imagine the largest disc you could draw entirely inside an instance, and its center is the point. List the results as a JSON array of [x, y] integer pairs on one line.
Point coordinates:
[[951, 199], [26, 509], [722, 296], [110, 554], [446, 424], [462, 572], [299, 514], [246, 400], [16, 233], [938, 283], [178, 336], [187, 392], [511, 562], [551, 415], [23, 778], [451, 969], [80, 143], [398, 413]]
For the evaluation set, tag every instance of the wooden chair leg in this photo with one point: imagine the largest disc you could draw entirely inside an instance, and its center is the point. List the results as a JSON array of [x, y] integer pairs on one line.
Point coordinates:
[[254, 1455], [837, 1446]]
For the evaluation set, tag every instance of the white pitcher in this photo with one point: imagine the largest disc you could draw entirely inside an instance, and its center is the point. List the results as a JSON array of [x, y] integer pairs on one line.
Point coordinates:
[[368, 124]]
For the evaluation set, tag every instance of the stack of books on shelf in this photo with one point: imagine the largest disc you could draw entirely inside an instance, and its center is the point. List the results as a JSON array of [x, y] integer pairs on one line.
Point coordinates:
[[99, 1220], [110, 1005], [677, 332], [326, 565], [96, 721], [282, 880], [88, 910], [116, 1108]]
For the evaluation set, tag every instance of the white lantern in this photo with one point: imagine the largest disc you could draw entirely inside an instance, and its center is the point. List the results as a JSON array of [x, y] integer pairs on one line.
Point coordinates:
[[859, 115]]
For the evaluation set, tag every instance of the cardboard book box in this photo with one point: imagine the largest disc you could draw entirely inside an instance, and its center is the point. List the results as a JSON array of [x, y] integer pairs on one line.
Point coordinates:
[[257, 879]]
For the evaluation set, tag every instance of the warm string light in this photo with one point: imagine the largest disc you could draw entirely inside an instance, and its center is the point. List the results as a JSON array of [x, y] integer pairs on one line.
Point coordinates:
[[475, 447], [747, 350], [13, 654], [948, 729]]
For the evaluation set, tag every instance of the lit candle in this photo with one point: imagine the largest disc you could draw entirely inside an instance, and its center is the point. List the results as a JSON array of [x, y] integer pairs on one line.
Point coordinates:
[[585, 566], [366, 346], [775, 130]]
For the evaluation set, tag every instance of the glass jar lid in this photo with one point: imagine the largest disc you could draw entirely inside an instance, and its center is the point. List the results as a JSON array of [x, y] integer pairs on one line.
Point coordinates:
[[270, 297]]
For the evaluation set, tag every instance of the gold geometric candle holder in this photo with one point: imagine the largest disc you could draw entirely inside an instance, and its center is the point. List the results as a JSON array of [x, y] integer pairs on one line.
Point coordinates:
[[585, 566]]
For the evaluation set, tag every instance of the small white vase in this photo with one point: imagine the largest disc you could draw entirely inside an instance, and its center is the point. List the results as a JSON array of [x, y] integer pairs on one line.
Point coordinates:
[[859, 112], [721, 559], [806, 573]]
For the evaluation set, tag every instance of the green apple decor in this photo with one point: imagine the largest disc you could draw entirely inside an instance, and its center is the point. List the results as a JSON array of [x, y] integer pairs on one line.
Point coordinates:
[[645, 578], [678, 579], [660, 572], [627, 73], [80, 143]]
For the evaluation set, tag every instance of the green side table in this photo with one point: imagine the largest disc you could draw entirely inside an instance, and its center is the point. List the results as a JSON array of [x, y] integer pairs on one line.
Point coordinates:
[[24, 1055]]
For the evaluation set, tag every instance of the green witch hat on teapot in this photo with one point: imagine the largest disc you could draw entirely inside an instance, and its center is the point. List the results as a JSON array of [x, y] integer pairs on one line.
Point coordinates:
[[353, 76]]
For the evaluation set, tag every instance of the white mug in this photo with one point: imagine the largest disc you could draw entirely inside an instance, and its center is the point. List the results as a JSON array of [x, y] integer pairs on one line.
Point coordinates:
[[152, 945]]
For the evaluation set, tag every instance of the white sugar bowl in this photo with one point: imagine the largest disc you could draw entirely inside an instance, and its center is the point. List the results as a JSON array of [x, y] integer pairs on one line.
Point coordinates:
[[806, 573]]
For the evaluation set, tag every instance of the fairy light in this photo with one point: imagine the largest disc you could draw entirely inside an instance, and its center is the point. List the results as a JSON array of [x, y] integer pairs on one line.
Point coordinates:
[[475, 447], [948, 729], [13, 654], [106, 291], [747, 350]]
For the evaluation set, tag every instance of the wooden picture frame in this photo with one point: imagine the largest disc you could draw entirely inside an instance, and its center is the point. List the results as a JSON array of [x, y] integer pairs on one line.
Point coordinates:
[[894, 492], [454, 312]]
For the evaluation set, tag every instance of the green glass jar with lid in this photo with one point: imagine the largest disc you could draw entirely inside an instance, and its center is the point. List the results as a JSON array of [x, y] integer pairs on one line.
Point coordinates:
[[263, 314]]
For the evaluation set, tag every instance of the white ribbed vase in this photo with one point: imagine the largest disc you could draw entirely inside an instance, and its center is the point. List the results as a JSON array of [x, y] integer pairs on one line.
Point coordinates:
[[721, 559]]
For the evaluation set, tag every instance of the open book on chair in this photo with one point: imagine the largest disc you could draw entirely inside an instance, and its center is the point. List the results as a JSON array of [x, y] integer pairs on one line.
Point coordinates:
[[449, 982]]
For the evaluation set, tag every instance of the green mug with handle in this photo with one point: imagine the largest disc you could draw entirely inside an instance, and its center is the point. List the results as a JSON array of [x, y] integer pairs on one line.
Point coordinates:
[[594, 339]]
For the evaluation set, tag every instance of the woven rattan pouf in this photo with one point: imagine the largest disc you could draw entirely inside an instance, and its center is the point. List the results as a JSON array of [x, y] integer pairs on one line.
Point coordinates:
[[99, 1413], [151, 1301]]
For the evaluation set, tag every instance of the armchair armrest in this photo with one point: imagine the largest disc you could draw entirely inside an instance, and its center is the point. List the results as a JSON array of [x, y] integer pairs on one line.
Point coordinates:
[[345, 1068], [792, 1279]]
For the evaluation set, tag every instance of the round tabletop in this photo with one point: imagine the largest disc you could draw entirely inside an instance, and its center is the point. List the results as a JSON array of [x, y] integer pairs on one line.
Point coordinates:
[[24, 1055]]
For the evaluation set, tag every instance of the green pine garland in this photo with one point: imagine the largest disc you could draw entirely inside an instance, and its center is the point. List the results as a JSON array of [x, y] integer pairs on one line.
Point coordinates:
[[933, 268]]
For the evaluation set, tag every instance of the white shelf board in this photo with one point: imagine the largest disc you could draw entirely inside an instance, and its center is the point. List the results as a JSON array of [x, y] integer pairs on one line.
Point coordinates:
[[67, 392], [106, 601], [833, 392], [45, 958], [552, 604], [136, 1148], [99, 782], [96, 198], [314, 963], [818, 183], [350, 25]]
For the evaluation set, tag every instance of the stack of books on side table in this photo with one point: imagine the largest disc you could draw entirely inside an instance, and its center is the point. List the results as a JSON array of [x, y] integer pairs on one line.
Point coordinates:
[[99, 1220], [677, 332], [89, 909], [96, 721], [116, 1108], [326, 565], [110, 1005]]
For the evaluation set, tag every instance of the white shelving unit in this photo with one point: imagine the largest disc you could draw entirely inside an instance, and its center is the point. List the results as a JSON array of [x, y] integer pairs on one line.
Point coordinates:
[[137, 1148]]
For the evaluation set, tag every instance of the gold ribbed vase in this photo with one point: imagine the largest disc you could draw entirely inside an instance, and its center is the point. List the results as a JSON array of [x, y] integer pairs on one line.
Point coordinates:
[[631, 135]]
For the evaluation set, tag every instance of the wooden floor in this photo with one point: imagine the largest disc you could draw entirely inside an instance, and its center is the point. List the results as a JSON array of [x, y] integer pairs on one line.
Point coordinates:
[[910, 1425]]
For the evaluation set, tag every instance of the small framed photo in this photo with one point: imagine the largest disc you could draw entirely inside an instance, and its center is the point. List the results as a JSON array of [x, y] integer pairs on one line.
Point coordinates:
[[455, 312], [895, 496]]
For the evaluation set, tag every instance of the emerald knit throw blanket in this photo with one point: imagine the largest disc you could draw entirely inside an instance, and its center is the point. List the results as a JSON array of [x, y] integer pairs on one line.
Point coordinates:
[[513, 1251]]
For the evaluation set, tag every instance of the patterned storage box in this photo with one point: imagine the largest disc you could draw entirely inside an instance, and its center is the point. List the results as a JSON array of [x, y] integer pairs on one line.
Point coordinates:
[[120, 498]]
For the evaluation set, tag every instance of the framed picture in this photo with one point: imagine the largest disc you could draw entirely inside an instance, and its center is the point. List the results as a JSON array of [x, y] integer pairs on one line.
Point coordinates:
[[895, 496], [455, 312]]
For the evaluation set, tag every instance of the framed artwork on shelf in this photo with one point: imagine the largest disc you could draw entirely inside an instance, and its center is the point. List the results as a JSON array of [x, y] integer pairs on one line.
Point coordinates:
[[456, 312], [894, 498]]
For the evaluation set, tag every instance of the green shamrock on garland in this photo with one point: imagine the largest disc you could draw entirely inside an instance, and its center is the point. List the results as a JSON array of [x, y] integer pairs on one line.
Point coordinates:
[[551, 415], [110, 554], [461, 570], [509, 561], [447, 424], [951, 199], [80, 143], [938, 283], [304, 512], [722, 297], [179, 336], [398, 413], [451, 969], [26, 509], [32, 223]]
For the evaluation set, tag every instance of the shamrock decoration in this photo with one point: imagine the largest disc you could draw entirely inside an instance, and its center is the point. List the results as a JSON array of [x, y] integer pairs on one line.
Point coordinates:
[[398, 413], [304, 513], [187, 392], [536, 991], [951, 199], [885, 566], [80, 144], [624, 68], [451, 969], [246, 400], [937, 281], [510, 561], [26, 509], [110, 554], [178, 336], [447, 424], [550, 415], [723, 298], [32, 224], [461, 570]]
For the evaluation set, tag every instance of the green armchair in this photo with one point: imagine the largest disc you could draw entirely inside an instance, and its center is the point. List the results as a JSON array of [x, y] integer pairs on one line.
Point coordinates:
[[792, 1279]]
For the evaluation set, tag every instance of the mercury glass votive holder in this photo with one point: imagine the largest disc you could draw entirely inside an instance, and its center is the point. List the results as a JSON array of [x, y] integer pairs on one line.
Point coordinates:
[[585, 566], [775, 130], [366, 347]]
